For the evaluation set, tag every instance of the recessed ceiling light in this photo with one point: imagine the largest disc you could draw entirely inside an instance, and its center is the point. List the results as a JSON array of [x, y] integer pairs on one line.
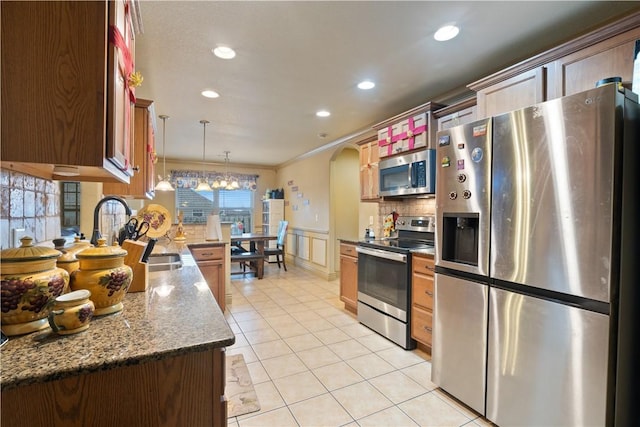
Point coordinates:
[[323, 113], [366, 84], [210, 94], [224, 52], [446, 32]]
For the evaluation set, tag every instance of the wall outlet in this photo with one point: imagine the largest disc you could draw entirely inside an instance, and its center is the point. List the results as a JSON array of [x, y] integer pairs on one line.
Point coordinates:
[[371, 220], [17, 234]]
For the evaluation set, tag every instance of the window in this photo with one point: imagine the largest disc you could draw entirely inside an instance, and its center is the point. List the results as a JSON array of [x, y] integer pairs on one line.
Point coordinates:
[[231, 205], [70, 202]]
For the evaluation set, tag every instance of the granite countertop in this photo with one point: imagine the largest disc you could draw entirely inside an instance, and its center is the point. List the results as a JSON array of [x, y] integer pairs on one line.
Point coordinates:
[[177, 314], [430, 251], [349, 241]]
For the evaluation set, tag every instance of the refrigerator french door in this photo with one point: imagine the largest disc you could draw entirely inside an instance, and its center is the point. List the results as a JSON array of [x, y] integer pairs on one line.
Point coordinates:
[[558, 216], [462, 262]]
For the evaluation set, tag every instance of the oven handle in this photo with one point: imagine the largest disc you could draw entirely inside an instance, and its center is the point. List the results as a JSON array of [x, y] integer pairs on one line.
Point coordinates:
[[382, 254]]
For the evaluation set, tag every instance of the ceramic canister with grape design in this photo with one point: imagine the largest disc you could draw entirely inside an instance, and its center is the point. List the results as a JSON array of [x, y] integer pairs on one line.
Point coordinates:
[[71, 313], [30, 280], [103, 273]]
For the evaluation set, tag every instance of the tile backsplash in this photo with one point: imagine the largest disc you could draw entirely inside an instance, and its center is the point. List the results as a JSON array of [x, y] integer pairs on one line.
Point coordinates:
[[405, 207], [30, 203]]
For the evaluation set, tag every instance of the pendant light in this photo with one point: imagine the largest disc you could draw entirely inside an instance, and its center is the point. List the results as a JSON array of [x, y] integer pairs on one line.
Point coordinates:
[[203, 185], [165, 180], [230, 183]]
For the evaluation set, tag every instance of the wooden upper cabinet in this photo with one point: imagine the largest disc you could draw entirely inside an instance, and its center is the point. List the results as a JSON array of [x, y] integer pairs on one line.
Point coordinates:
[[65, 98], [412, 130], [457, 114], [120, 66], [511, 94], [572, 67], [369, 179], [581, 70], [144, 156]]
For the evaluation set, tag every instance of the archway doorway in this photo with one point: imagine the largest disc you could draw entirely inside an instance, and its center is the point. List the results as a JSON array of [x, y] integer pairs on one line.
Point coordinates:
[[345, 199]]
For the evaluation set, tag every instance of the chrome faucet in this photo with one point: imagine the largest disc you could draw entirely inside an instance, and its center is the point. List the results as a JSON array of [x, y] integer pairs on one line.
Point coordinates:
[[96, 232]]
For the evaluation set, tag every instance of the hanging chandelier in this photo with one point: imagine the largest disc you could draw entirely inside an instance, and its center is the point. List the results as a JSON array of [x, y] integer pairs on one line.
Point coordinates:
[[204, 184], [165, 180], [226, 182]]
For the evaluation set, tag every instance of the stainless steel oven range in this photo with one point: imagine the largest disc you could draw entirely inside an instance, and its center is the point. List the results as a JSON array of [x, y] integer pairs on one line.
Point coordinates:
[[384, 279]]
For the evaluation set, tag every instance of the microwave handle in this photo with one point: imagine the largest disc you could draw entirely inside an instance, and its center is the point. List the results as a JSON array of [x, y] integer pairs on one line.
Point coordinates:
[[413, 179]]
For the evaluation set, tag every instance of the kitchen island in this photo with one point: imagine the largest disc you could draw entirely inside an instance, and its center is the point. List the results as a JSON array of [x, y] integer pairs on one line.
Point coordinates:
[[160, 361]]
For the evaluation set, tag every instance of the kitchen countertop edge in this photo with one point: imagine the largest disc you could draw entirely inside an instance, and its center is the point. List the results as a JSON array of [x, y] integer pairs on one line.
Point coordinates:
[[186, 320]]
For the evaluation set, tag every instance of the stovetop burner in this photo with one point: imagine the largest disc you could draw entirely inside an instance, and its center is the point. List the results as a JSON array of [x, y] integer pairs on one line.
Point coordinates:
[[413, 233], [401, 243]]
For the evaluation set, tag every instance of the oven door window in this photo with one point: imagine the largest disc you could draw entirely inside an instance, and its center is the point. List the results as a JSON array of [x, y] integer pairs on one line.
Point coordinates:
[[383, 279], [394, 178]]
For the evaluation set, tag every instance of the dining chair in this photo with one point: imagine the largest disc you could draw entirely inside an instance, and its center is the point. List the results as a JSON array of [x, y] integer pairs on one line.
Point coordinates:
[[278, 251]]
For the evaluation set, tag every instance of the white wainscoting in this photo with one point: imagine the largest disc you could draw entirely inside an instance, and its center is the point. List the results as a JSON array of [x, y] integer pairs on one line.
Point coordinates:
[[308, 249]]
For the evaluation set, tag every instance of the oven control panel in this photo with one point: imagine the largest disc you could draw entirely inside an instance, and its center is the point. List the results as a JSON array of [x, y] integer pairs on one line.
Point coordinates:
[[416, 223]]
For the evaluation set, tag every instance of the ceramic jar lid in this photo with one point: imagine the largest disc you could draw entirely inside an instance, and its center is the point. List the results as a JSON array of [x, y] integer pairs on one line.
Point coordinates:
[[67, 257], [28, 252], [78, 245], [28, 258], [102, 251]]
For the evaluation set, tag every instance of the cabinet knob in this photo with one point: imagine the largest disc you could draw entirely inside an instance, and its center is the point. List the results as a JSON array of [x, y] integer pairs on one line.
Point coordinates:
[[428, 329], [355, 262], [428, 293]]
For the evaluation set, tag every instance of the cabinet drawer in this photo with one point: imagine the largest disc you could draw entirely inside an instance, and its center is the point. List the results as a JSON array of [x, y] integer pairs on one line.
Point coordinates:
[[423, 265], [348, 250], [206, 254], [423, 290], [421, 324]]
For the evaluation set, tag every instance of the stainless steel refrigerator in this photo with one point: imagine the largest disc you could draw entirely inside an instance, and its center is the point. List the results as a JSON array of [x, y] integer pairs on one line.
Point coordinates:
[[562, 299]]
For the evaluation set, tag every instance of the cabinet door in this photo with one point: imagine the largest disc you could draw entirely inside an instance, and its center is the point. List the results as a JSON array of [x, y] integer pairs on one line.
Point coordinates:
[[422, 326], [142, 182], [369, 159], [458, 118], [349, 282], [423, 291], [349, 276], [120, 66], [581, 70], [213, 274], [520, 91], [55, 95]]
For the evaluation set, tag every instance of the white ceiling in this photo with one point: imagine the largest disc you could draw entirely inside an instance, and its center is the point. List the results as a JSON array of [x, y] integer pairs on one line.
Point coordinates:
[[294, 58]]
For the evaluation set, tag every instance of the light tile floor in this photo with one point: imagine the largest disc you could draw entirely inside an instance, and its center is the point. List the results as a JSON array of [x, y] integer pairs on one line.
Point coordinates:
[[313, 364]]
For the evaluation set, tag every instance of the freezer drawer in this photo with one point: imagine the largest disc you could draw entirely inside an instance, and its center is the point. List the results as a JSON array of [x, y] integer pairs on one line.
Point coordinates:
[[460, 339], [547, 362]]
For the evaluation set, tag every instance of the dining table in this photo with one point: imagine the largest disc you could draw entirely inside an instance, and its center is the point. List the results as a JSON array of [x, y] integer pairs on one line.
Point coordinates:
[[254, 255]]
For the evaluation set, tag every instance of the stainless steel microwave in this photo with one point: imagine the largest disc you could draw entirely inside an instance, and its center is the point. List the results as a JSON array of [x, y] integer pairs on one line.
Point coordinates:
[[409, 174]]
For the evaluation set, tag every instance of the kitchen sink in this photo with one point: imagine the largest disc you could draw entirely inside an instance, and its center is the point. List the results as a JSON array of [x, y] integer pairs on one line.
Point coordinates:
[[163, 262]]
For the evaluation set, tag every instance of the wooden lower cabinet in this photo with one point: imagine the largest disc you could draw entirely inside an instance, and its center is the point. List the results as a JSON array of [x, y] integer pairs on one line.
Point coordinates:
[[185, 390], [349, 276], [422, 283], [210, 261]]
